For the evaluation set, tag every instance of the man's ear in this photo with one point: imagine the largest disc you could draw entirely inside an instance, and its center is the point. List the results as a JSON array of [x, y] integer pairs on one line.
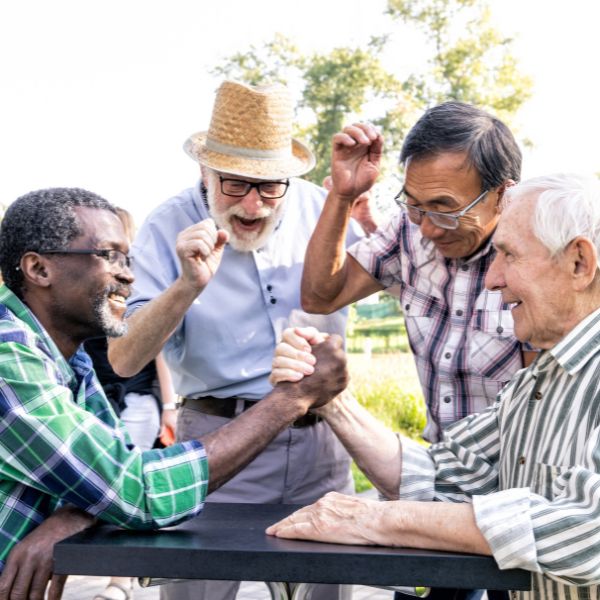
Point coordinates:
[[501, 189], [36, 269], [582, 259]]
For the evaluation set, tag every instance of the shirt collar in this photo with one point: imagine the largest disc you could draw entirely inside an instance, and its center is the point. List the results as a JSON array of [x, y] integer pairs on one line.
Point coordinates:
[[21, 311], [579, 345]]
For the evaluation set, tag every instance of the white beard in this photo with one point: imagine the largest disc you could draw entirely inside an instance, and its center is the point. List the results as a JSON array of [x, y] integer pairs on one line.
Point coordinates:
[[251, 240], [111, 325]]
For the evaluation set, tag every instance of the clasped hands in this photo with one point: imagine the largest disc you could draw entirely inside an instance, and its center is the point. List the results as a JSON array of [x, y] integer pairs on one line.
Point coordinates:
[[335, 518]]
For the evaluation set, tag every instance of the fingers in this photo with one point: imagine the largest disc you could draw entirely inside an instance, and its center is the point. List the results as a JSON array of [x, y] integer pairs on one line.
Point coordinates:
[[334, 341], [57, 585], [293, 357], [222, 238], [201, 240], [7, 579], [25, 581], [291, 363], [303, 338], [357, 133], [307, 522]]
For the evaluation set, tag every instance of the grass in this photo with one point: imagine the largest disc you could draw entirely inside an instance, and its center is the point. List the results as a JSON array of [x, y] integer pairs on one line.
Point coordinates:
[[388, 386]]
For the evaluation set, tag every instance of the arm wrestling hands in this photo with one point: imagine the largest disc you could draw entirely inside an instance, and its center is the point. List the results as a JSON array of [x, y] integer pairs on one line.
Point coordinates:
[[337, 518], [375, 448], [29, 565], [234, 445], [200, 250]]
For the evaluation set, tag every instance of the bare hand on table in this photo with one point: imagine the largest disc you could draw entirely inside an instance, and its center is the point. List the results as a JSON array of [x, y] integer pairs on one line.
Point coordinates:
[[29, 565], [336, 518]]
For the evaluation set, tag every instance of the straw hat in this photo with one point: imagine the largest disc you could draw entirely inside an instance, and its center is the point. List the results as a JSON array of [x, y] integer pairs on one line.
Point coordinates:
[[251, 134]]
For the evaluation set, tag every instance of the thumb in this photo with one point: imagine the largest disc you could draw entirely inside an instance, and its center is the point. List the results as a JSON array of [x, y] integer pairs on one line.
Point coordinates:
[[336, 341], [222, 239]]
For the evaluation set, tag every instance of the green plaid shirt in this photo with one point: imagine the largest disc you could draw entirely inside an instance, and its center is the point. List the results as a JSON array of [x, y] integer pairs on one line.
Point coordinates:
[[60, 442]]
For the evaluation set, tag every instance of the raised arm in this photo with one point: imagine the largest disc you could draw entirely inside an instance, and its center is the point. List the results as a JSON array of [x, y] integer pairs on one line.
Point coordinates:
[[331, 279], [200, 249]]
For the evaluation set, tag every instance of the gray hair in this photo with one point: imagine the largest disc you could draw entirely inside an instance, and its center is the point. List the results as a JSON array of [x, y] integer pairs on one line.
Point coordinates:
[[567, 206], [459, 127], [40, 221]]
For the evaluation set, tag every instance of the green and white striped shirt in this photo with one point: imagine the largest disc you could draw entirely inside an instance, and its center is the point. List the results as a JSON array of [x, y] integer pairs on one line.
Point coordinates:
[[530, 465]]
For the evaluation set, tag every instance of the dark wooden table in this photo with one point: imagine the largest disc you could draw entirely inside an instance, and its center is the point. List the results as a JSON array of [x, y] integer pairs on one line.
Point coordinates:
[[227, 541]]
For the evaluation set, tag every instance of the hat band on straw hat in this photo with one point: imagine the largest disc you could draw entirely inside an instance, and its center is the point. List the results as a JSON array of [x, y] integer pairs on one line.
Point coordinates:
[[254, 153]]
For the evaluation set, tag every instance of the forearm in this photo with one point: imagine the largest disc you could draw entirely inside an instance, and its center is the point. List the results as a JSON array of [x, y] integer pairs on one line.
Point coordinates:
[[231, 447], [69, 519], [433, 526], [149, 328], [324, 274], [165, 381], [375, 448]]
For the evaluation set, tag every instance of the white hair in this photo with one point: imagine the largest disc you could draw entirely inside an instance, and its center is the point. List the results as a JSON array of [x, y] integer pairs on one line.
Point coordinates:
[[567, 206]]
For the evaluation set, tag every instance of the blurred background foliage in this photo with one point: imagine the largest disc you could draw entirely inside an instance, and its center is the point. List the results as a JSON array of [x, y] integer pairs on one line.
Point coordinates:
[[468, 59]]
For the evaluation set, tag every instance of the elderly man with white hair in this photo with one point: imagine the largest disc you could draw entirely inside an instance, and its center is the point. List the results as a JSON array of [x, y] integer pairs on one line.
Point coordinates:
[[520, 480]]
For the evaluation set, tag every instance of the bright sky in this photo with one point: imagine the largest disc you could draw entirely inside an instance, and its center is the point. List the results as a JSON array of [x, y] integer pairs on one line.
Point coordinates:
[[102, 95]]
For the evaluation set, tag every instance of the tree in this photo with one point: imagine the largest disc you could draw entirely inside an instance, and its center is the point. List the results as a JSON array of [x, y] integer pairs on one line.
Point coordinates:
[[477, 66], [347, 84]]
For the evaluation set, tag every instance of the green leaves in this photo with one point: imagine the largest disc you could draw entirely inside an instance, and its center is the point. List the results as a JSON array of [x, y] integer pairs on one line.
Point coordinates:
[[469, 60]]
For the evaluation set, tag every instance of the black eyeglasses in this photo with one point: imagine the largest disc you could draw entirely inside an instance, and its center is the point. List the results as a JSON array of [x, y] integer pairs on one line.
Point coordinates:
[[112, 256], [269, 190], [439, 219]]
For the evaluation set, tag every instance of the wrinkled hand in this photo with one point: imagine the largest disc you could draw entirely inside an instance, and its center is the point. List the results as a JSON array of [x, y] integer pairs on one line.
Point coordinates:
[[335, 518], [29, 565], [293, 358], [355, 160], [200, 249]]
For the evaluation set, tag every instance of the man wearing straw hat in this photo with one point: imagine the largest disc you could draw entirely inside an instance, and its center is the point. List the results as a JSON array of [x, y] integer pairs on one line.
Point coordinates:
[[218, 271]]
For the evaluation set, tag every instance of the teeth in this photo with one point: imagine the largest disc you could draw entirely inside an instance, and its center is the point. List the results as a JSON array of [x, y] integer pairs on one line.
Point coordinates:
[[117, 298]]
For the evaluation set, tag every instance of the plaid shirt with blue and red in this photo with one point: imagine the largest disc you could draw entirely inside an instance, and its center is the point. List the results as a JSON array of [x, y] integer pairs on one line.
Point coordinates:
[[61, 442], [461, 334]]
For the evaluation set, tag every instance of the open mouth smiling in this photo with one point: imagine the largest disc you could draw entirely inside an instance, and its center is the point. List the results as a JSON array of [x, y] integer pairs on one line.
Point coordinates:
[[248, 223]]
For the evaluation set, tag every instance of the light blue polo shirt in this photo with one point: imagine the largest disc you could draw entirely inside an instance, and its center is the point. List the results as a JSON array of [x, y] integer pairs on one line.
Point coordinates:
[[224, 345]]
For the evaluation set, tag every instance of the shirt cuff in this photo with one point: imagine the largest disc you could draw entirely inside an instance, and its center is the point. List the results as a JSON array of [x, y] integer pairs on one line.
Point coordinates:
[[417, 478], [504, 519]]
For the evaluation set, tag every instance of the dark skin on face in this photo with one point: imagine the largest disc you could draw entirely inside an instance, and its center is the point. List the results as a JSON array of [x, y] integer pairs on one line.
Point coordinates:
[[61, 289], [74, 280], [447, 183]]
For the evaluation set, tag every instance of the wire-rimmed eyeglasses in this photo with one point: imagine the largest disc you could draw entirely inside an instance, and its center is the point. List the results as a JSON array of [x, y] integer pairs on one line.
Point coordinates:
[[444, 220]]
